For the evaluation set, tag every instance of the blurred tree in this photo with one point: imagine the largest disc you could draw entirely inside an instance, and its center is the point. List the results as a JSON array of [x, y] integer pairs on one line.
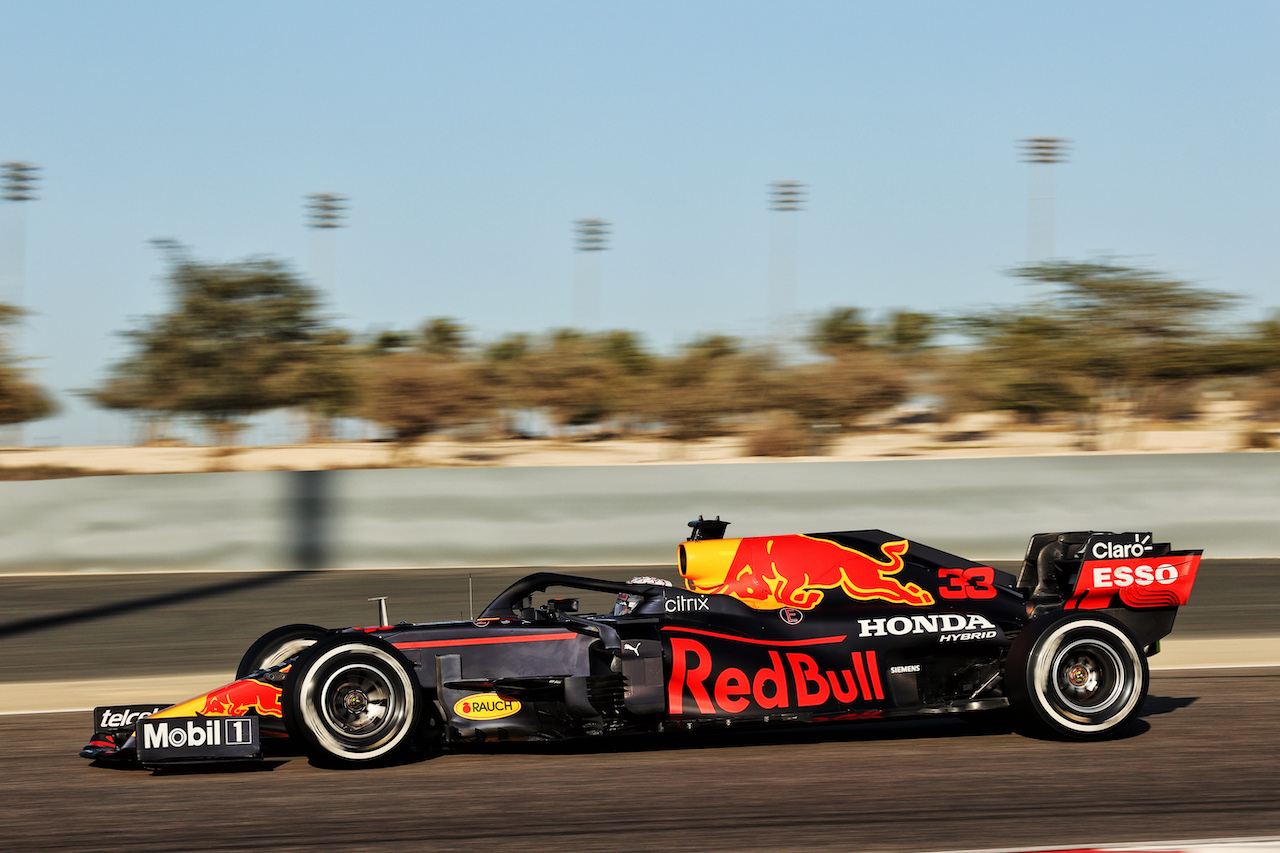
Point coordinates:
[[1135, 334], [570, 380], [712, 347], [1106, 335], [840, 391], [988, 380], [781, 433], [1264, 394], [843, 330], [21, 400], [1024, 363], [911, 331], [444, 337], [324, 380], [1255, 351], [1266, 335], [508, 348], [389, 341], [1125, 304], [578, 379], [626, 350], [714, 379], [239, 341], [414, 394], [839, 330], [1256, 354]]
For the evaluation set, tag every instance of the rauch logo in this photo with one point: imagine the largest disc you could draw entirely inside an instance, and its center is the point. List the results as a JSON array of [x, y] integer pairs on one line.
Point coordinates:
[[486, 706]]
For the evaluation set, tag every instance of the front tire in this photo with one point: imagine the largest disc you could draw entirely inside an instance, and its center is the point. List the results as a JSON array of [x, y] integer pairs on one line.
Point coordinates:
[[277, 646], [1076, 675], [351, 699]]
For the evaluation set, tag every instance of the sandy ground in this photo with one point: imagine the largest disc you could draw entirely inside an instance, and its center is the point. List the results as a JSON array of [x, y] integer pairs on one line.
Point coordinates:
[[973, 436]]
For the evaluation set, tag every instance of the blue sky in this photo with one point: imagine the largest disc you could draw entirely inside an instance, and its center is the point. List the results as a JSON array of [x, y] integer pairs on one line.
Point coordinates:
[[469, 136]]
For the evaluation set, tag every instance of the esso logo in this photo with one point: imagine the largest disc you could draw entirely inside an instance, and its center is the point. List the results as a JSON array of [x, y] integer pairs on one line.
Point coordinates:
[[1121, 576]]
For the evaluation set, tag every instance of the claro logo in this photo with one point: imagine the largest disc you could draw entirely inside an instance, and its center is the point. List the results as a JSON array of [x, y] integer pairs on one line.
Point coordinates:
[[486, 706], [1105, 577], [1118, 550]]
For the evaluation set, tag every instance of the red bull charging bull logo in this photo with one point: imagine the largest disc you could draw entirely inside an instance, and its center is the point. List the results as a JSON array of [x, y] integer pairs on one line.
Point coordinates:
[[237, 699], [243, 697], [768, 572]]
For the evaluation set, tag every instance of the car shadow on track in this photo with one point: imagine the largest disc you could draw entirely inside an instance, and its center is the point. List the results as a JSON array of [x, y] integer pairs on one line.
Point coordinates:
[[119, 608], [1152, 707], [731, 738], [1156, 705], [986, 724], [678, 740], [226, 767]]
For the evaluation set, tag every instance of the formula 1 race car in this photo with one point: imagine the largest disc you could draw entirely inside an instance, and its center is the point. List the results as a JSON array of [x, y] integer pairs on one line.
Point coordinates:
[[860, 625]]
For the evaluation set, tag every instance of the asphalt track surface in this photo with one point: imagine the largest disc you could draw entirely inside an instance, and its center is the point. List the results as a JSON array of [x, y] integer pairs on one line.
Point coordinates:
[[1201, 761]]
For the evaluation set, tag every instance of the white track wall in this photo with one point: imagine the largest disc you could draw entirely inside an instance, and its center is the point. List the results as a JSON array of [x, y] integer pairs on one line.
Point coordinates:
[[1228, 504]]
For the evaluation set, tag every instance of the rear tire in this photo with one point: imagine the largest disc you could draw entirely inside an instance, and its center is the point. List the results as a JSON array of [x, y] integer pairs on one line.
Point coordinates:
[[351, 699], [275, 647], [1076, 675]]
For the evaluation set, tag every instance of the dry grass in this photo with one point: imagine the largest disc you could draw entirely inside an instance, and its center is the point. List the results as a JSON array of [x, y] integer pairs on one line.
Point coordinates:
[[782, 434], [50, 472], [1258, 439]]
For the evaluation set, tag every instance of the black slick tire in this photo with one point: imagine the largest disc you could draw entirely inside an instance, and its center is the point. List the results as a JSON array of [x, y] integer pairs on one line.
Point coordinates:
[[351, 699], [277, 646], [1076, 675]]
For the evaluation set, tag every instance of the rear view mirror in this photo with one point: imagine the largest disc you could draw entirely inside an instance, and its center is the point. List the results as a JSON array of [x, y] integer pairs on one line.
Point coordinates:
[[562, 605]]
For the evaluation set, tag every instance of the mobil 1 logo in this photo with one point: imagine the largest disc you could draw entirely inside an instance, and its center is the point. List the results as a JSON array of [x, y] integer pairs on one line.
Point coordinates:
[[175, 739]]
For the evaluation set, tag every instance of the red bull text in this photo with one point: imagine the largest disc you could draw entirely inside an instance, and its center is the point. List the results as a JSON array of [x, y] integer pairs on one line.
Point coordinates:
[[788, 679]]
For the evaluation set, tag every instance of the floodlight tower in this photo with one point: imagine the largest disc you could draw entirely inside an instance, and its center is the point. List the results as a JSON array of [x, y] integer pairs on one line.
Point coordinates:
[[590, 238], [1043, 153], [326, 212], [18, 181], [785, 198], [18, 184]]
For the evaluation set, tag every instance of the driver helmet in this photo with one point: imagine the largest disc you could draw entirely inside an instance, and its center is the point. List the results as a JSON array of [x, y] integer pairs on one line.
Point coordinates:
[[628, 601]]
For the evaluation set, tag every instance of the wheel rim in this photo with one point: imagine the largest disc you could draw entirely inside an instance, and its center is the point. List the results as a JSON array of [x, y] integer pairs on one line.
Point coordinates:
[[358, 703], [1087, 676], [1082, 677]]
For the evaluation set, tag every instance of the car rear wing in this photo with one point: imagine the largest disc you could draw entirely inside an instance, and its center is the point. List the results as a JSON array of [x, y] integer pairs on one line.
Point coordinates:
[[1096, 570]]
